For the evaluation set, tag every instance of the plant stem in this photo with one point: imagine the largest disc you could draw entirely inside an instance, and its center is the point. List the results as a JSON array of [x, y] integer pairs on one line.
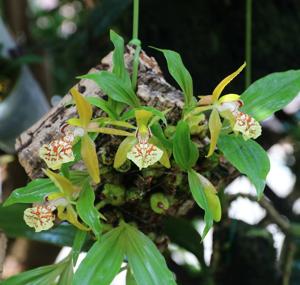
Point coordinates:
[[248, 42], [135, 66], [135, 41], [135, 29]]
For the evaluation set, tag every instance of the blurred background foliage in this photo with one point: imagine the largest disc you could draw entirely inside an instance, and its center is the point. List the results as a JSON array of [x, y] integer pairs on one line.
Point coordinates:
[[70, 37]]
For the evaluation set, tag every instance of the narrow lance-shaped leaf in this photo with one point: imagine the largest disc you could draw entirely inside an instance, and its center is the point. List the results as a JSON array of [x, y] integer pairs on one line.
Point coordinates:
[[114, 87], [103, 105], [248, 157], [118, 58], [271, 93], [90, 158], [39, 276], [103, 261], [184, 150], [78, 243], [33, 192], [146, 262], [87, 211], [180, 74], [215, 127]]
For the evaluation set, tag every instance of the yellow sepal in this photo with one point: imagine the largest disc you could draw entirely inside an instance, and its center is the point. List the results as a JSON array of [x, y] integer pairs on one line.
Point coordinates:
[[215, 126], [90, 158], [84, 108], [220, 87], [142, 117], [62, 183]]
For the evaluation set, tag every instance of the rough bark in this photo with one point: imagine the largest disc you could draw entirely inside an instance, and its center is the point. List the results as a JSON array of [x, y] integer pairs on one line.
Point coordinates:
[[153, 90]]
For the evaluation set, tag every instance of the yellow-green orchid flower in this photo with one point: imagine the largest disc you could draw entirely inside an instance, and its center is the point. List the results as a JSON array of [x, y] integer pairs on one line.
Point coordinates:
[[142, 148], [58, 151], [226, 107], [41, 217], [86, 125]]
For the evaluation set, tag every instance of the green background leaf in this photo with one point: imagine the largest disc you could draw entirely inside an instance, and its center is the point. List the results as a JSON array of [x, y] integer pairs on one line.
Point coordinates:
[[248, 157], [271, 93]]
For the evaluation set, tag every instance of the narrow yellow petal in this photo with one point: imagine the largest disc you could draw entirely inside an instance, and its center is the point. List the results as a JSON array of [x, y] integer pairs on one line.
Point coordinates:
[[110, 131], [220, 87], [84, 108], [61, 182], [215, 126], [89, 156], [69, 214]]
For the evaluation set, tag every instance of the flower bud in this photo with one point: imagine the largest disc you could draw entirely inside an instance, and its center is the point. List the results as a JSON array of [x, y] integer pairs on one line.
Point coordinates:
[[159, 203], [114, 194]]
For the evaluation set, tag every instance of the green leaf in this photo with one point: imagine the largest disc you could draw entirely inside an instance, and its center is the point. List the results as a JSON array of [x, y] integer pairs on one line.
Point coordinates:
[[200, 197], [184, 150], [12, 223], [33, 192], [248, 157], [158, 132], [103, 105], [183, 233], [78, 243], [129, 277], [146, 262], [103, 261], [180, 74], [39, 276], [78, 177], [87, 211], [124, 147], [66, 277], [271, 93], [118, 58], [114, 87]]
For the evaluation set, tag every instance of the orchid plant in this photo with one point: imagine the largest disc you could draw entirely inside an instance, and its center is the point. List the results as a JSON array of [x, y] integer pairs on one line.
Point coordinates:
[[85, 197]]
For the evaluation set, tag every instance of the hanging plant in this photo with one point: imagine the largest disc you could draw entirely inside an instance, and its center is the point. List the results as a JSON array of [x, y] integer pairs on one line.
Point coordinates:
[[124, 150]]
